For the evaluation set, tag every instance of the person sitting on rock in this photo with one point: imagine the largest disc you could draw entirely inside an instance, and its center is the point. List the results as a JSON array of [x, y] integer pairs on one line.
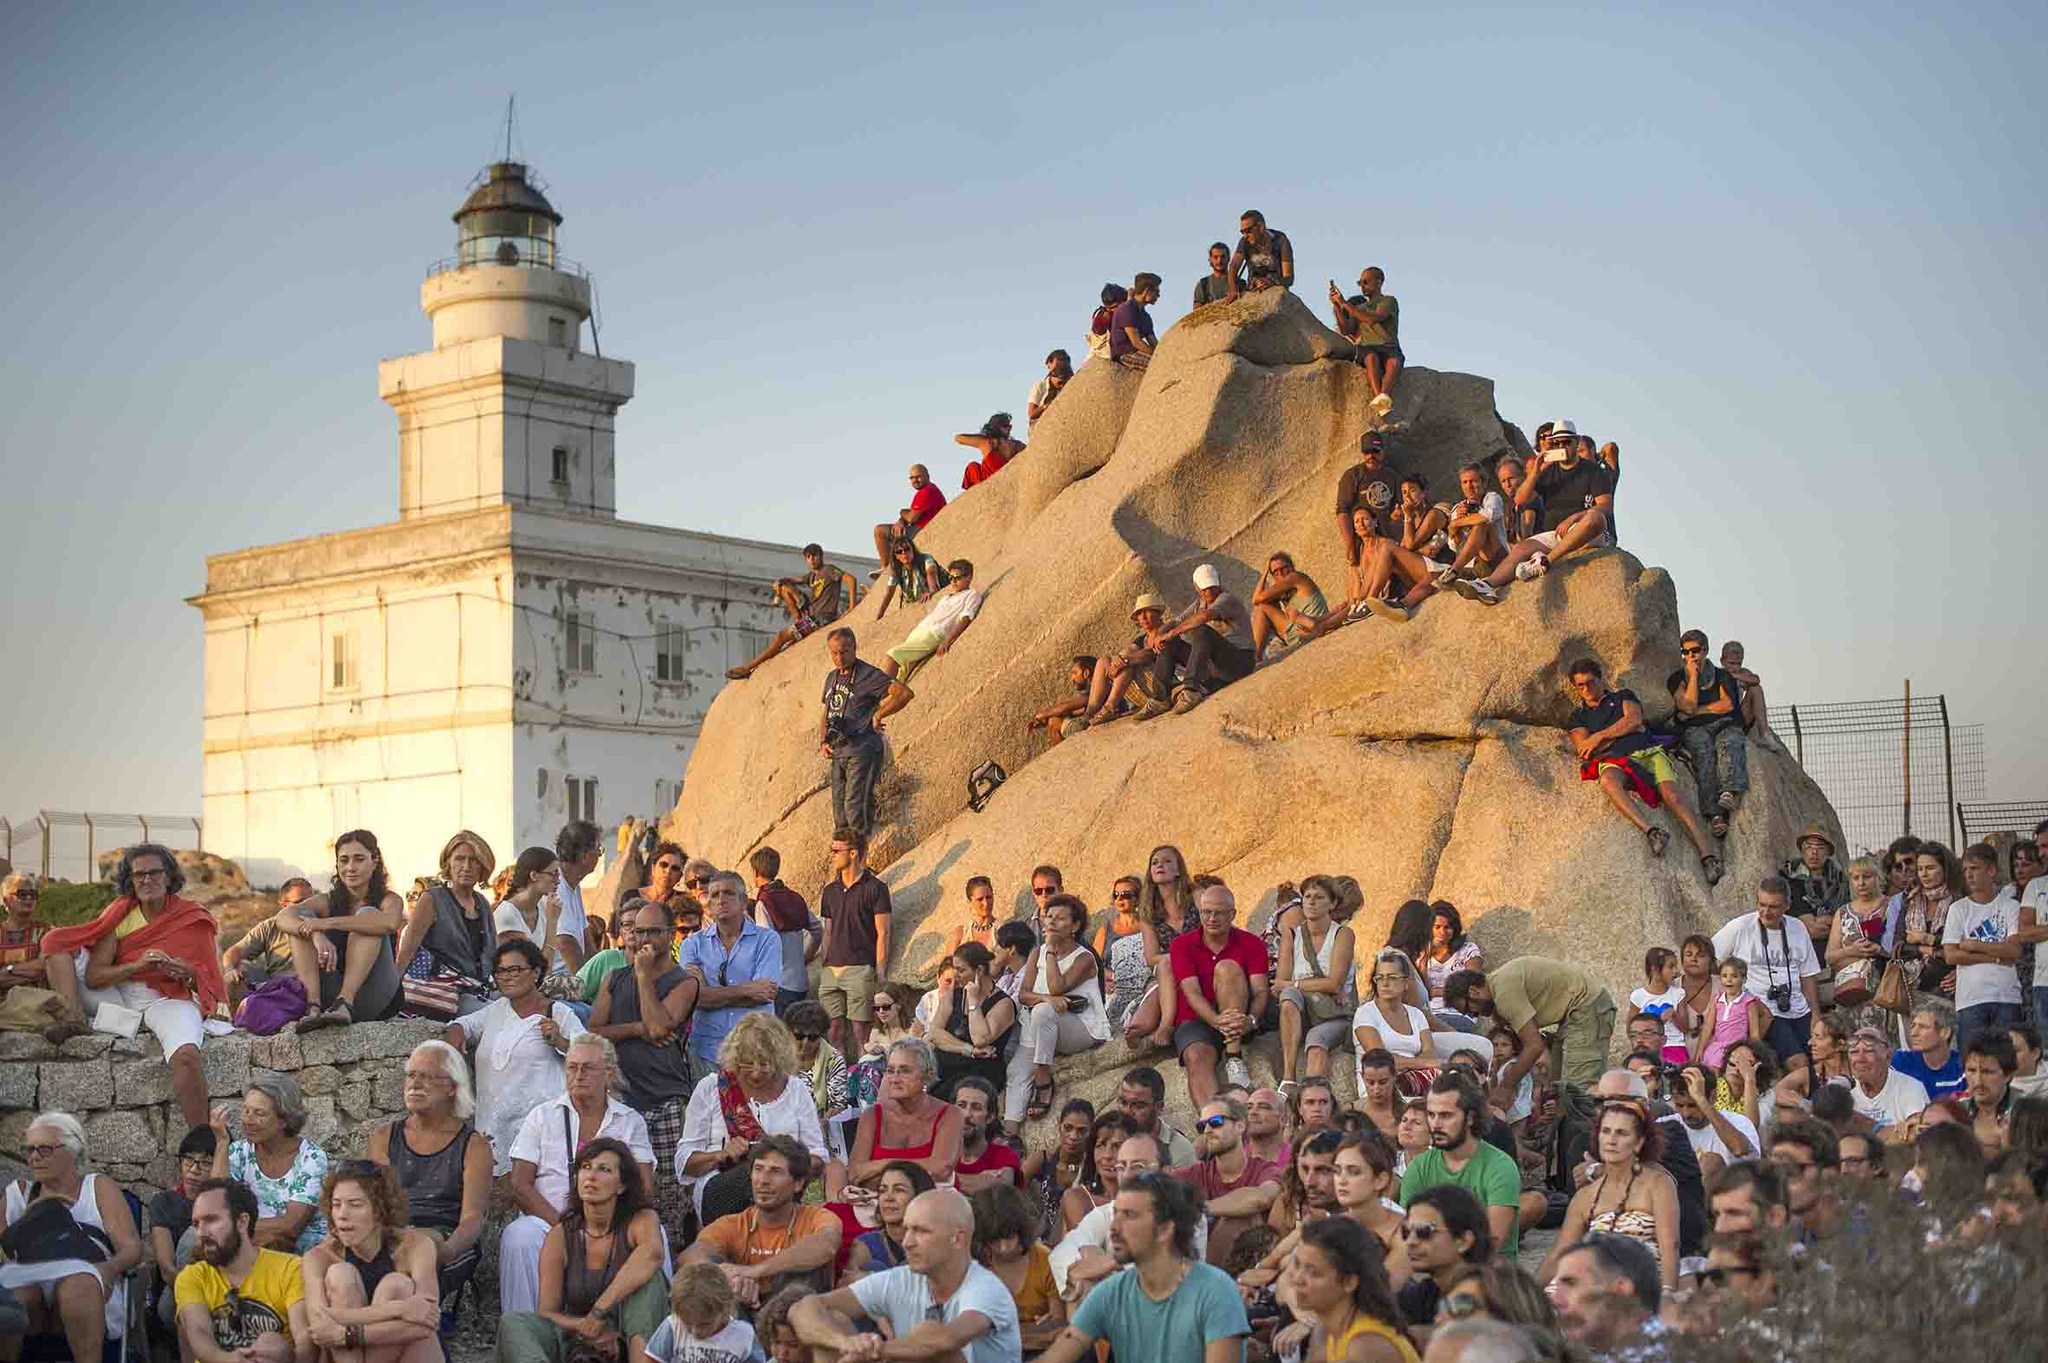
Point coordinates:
[[1709, 719], [819, 597], [1099, 324], [1392, 565], [1522, 519], [1220, 977], [1755, 710], [996, 446], [1059, 371], [951, 613], [1109, 690], [1214, 287], [913, 576], [1616, 749], [1053, 718], [1370, 484], [926, 501], [1421, 525], [1264, 258], [1131, 340], [1477, 526], [1577, 496], [1212, 658], [1286, 605], [1372, 321], [1359, 575]]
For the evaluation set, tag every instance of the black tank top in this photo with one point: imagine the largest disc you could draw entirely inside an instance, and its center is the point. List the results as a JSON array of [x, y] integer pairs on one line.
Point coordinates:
[[373, 1269], [432, 1183], [581, 1285]]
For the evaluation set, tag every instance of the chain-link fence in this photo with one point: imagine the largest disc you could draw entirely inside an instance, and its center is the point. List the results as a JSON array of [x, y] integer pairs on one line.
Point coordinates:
[[67, 845], [1983, 819], [1888, 766]]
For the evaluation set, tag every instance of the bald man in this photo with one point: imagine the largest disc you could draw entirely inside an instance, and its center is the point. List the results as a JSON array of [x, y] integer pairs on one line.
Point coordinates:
[[940, 1303]]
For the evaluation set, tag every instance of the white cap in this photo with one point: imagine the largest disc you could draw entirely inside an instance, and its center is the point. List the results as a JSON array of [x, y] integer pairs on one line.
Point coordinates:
[[1206, 577]]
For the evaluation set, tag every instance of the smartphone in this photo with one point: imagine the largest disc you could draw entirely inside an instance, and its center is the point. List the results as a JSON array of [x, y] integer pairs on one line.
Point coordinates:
[[1553, 456]]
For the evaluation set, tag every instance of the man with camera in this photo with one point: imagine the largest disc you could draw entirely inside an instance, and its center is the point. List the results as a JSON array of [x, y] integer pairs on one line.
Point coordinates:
[[1578, 497], [1784, 969], [857, 697]]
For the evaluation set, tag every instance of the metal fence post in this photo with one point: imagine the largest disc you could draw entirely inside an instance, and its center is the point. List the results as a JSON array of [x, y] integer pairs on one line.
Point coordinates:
[[1948, 769], [1798, 738]]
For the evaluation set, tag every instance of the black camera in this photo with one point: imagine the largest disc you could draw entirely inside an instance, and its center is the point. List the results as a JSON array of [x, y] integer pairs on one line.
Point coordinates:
[[1781, 997]]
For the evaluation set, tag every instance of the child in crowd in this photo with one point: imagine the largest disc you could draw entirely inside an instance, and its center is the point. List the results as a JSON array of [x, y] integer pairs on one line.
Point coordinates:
[[1734, 1015], [1661, 996], [1507, 1045], [700, 1327], [170, 1218], [777, 1335]]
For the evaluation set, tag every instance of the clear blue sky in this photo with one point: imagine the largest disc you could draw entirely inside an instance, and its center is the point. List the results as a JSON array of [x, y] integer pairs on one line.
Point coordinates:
[[1794, 265]]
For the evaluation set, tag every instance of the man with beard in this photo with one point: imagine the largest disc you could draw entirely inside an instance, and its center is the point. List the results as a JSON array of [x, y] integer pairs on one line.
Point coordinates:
[[1142, 1095], [1237, 1187], [238, 1303], [1606, 1293], [982, 1162], [777, 1240], [1164, 1306], [1456, 1110]]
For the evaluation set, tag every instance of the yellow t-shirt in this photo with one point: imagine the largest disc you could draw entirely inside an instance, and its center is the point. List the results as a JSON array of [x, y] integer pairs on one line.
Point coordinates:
[[263, 1303], [136, 921]]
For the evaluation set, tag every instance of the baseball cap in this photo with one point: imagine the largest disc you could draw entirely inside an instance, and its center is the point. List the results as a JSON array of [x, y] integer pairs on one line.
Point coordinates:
[[1150, 601], [1206, 577]]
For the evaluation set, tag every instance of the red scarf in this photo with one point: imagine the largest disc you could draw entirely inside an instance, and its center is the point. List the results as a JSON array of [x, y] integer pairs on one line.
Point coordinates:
[[738, 1112], [184, 931], [1634, 776]]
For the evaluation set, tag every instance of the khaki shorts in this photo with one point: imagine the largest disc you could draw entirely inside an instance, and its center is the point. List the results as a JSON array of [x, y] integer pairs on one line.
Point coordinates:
[[848, 991]]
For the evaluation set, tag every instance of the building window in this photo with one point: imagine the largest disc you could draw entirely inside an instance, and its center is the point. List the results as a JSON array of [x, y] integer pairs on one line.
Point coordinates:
[[558, 464], [747, 643], [667, 794], [671, 644], [583, 798], [344, 654], [579, 637], [558, 332]]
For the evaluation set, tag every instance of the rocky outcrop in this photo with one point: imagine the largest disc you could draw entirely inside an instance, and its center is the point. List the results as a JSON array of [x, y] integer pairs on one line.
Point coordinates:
[[1426, 760]]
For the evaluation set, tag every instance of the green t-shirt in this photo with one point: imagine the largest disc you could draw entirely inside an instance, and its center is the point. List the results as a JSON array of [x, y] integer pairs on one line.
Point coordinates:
[[591, 976], [1490, 1176]]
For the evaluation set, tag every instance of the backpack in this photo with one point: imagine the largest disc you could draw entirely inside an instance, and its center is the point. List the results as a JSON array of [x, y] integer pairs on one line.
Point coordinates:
[[272, 1006]]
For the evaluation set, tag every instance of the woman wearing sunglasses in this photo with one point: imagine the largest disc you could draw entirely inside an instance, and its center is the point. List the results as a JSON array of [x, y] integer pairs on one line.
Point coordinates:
[[520, 1039], [1446, 1230]]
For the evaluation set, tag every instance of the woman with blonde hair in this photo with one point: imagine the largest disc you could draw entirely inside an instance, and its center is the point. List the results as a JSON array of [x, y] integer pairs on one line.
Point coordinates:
[[756, 1092], [449, 936]]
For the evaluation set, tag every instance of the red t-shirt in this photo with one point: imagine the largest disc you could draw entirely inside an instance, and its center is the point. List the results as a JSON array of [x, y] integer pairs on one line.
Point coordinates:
[[1203, 1177], [1190, 957], [925, 503], [997, 1156]]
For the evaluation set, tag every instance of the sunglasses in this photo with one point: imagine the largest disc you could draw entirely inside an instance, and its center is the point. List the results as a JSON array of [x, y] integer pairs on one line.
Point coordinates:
[[1461, 1307], [809, 1036], [25, 894], [1124, 894], [1413, 1231], [696, 882], [1043, 890], [1212, 1123], [885, 1008]]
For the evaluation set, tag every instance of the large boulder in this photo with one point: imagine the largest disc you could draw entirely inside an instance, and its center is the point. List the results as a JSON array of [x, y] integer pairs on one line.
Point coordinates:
[[1427, 760]]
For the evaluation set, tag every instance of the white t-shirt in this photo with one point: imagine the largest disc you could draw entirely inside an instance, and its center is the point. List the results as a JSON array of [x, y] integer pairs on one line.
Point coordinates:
[[903, 1297], [1772, 959], [507, 918], [1969, 921], [573, 919], [1369, 1015], [1901, 1097], [1707, 1141], [545, 1137], [734, 1344], [2035, 897], [951, 606], [1664, 1005]]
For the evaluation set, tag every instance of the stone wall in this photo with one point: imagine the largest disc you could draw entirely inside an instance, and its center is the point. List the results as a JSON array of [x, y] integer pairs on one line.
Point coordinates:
[[353, 1077]]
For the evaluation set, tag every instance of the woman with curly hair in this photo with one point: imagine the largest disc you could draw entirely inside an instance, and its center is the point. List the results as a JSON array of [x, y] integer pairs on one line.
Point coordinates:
[[342, 940], [1336, 1282], [1631, 1195], [372, 1286], [1449, 950], [600, 1269]]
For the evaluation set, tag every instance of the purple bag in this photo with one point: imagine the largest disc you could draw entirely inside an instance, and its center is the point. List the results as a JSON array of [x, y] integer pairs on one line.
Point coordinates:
[[272, 1006]]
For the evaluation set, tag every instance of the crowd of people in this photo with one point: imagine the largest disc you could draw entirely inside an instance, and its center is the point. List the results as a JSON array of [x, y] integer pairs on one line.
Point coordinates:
[[747, 1138]]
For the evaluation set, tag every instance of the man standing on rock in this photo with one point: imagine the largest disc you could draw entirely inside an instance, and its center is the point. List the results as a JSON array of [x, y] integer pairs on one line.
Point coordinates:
[[1264, 258], [857, 697], [1615, 748], [856, 907]]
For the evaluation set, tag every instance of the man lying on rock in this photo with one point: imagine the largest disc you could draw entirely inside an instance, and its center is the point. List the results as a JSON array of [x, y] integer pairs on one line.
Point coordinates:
[[1578, 496]]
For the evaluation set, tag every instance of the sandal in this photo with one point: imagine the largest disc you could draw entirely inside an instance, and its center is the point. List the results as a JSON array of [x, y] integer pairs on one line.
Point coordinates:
[[1659, 840], [1288, 1088], [1041, 1100], [340, 1015]]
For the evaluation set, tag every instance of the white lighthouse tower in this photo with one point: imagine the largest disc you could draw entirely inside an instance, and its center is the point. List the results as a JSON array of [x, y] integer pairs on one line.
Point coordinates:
[[507, 654]]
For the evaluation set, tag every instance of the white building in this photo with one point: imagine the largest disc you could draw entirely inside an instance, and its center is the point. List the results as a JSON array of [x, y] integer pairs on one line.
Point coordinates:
[[507, 654]]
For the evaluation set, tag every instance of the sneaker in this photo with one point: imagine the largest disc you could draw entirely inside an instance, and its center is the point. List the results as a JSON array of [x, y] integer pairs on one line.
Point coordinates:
[[1382, 404], [1075, 724], [1711, 864], [1388, 610], [1153, 709], [1659, 840], [1478, 589], [737, 674], [1447, 578], [874, 574], [1360, 610], [1532, 567], [1235, 1071], [1186, 698]]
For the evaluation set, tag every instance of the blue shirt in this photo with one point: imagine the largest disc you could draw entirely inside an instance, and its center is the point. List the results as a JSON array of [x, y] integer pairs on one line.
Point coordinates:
[[1946, 1082], [757, 955], [1205, 1307]]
